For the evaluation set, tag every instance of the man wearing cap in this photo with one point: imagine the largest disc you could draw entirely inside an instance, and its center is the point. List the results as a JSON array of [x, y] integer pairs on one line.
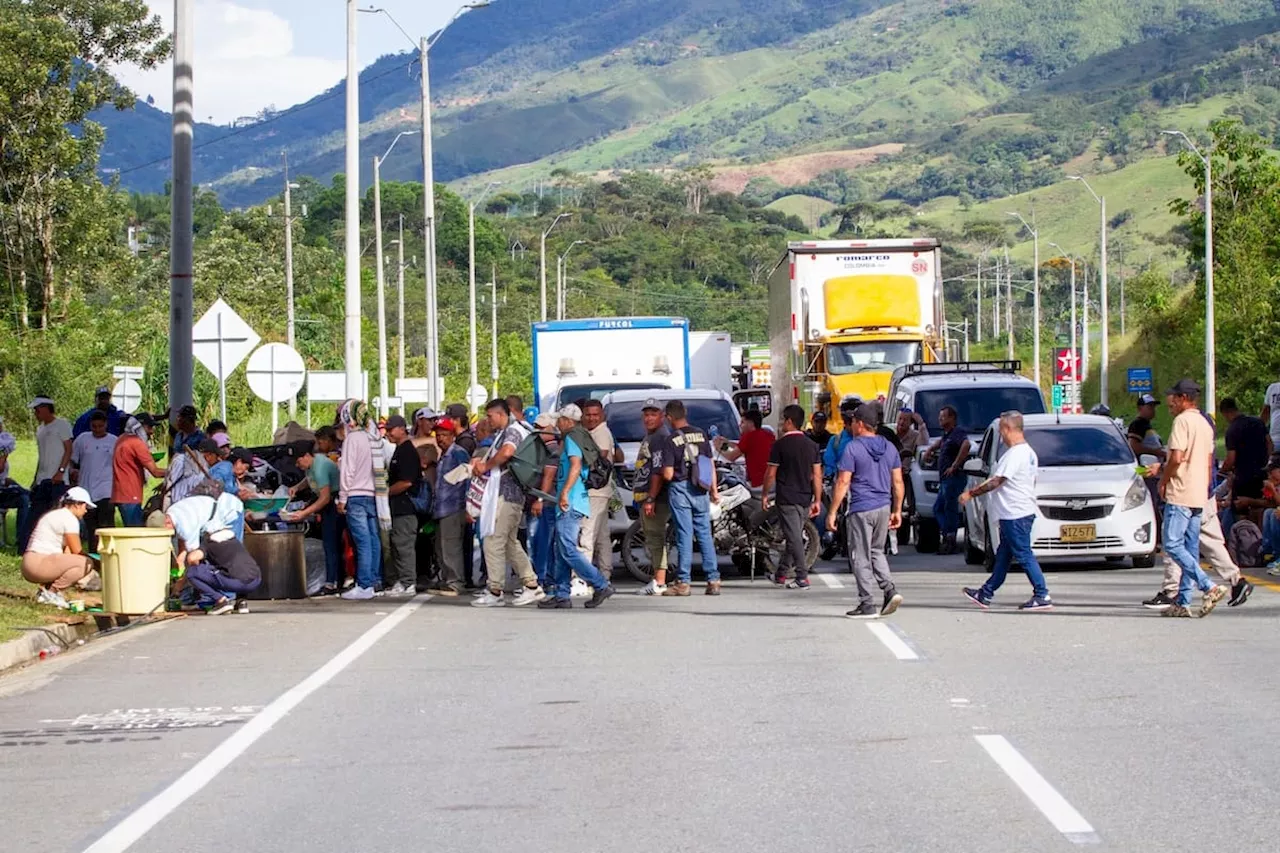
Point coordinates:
[[835, 447], [131, 462], [91, 455], [450, 511], [424, 426], [683, 452], [818, 431], [404, 474], [53, 446], [596, 542], [951, 451], [649, 490], [873, 468], [1143, 439], [573, 507], [222, 470], [1184, 485], [115, 417], [216, 562], [501, 543], [541, 517], [322, 479]]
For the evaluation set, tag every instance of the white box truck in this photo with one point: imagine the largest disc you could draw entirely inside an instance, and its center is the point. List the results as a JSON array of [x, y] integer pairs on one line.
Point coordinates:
[[575, 359], [711, 361]]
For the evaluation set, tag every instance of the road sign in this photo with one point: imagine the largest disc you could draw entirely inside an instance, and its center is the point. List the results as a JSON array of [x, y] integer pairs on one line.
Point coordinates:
[[416, 390], [477, 397], [1066, 365], [276, 374], [1140, 380], [1057, 398], [124, 371], [220, 340], [330, 386], [127, 394]]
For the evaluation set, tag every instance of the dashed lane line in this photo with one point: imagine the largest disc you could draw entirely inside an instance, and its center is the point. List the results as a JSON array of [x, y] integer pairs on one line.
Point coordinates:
[[893, 641]]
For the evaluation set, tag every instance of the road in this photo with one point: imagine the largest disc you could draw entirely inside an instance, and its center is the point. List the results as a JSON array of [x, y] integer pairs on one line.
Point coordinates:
[[762, 720]]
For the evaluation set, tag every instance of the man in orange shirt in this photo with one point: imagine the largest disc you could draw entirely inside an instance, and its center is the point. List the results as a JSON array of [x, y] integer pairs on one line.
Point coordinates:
[[754, 446], [130, 464]]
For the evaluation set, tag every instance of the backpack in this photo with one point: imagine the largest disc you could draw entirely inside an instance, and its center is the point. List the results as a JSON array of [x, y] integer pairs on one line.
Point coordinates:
[[527, 463], [1244, 544], [597, 467]]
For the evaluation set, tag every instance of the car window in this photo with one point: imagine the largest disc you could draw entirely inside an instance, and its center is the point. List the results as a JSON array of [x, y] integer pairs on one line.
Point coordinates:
[[977, 405], [1067, 445], [626, 424]]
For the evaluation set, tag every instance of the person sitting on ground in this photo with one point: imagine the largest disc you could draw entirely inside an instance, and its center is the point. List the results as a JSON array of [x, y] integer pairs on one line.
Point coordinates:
[[216, 562], [54, 558]]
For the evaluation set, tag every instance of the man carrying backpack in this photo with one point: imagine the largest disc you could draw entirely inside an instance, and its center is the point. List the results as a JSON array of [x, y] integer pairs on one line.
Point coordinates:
[[502, 545], [687, 466]]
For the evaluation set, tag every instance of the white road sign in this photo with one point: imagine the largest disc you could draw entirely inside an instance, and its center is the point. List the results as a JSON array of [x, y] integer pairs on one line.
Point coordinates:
[[276, 373], [127, 394], [477, 397], [414, 390], [221, 340]]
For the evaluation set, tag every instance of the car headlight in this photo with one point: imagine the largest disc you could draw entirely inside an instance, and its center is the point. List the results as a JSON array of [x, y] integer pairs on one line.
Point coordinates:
[[1136, 496]]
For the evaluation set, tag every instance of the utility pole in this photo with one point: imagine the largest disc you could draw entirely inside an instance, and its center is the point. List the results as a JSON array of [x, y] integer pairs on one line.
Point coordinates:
[[288, 270], [1008, 300], [1104, 380], [979, 302], [181, 284], [383, 383], [493, 297], [542, 262], [1035, 293], [429, 217], [995, 303], [355, 389], [400, 295]]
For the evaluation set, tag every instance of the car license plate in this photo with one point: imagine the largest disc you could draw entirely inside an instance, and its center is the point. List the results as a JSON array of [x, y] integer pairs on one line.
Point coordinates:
[[1074, 534]]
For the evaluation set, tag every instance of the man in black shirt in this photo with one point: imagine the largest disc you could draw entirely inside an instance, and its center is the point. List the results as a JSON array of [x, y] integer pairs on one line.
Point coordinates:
[[682, 454], [1248, 449], [403, 476], [818, 433], [796, 468]]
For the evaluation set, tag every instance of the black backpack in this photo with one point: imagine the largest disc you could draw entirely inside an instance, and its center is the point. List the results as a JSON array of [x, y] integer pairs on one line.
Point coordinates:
[[599, 468]]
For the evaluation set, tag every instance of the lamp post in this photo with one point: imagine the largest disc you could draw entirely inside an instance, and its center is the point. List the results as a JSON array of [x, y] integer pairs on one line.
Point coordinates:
[[355, 386], [1105, 366], [562, 279], [1210, 333], [1075, 364], [471, 276], [424, 46], [400, 268], [1035, 296], [493, 298], [542, 264], [289, 187], [181, 287], [383, 380]]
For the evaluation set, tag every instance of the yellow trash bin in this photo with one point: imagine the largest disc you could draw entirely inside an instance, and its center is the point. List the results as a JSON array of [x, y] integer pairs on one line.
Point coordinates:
[[135, 568]]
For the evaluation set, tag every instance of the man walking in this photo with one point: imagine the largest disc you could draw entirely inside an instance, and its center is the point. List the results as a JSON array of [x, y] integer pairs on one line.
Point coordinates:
[[691, 487], [796, 471], [872, 466], [596, 542], [951, 451], [403, 477], [450, 511], [650, 493], [502, 544], [92, 453], [1184, 483], [1013, 506]]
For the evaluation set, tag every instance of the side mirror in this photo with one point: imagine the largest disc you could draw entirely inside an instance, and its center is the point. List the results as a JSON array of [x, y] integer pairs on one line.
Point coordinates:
[[975, 467]]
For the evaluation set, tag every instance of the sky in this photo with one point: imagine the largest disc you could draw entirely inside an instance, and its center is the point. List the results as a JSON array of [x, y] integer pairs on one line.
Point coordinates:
[[251, 54]]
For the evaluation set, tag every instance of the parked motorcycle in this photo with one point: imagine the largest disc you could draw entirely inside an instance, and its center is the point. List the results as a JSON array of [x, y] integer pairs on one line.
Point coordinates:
[[739, 527]]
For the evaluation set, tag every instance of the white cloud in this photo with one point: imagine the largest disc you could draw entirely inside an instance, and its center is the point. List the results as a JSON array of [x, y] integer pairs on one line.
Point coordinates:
[[244, 61]]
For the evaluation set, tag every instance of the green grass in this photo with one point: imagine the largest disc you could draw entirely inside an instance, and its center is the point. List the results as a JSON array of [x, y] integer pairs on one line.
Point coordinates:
[[807, 207]]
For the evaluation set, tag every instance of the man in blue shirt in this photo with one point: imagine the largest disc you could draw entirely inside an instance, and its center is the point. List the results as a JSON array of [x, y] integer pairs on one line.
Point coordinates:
[[102, 403], [951, 451], [835, 447], [573, 507]]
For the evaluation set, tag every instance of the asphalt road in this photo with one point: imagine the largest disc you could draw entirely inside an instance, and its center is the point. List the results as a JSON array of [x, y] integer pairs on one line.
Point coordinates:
[[762, 720]]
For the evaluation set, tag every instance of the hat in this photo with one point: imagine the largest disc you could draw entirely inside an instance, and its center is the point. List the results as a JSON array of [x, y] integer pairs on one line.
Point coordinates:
[[1147, 400], [820, 416], [103, 390], [868, 415], [652, 403], [397, 421], [426, 413], [850, 404], [77, 495], [298, 449], [544, 421], [39, 401], [221, 439], [457, 411], [188, 412], [570, 413], [1185, 388], [207, 445], [146, 419], [241, 454], [445, 425]]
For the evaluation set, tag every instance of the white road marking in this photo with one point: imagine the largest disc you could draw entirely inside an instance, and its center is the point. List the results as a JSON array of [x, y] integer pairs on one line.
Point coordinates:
[[123, 835], [892, 641], [831, 581], [1042, 795]]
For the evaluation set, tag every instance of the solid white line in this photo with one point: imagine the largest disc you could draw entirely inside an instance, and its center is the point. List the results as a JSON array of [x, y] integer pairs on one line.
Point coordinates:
[[831, 581], [892, 641], [1042, 795], [124, 834]]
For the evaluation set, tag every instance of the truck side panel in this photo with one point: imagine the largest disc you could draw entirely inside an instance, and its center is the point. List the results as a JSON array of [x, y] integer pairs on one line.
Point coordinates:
[[782, 352]]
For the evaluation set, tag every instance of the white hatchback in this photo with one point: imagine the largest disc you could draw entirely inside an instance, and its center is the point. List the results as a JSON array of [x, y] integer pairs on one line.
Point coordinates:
[[1092, 503]]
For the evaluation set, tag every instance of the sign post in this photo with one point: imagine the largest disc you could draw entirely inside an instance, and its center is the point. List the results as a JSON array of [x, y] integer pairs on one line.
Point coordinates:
[[1057, 398], [221, 340], [330, 386], [129, 389], [1141, 380], [276, 374]]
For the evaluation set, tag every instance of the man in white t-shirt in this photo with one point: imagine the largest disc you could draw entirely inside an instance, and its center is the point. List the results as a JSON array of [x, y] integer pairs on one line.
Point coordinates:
[[92, 453], [1271, 412], [53, 445], [593, 538], [1012, 505]]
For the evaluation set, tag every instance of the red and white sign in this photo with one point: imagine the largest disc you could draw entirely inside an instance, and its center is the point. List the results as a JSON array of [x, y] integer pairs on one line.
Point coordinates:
[[1066, 366]]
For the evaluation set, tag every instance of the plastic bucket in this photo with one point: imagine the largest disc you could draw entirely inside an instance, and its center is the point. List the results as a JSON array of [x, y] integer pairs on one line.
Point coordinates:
[[135, 568]]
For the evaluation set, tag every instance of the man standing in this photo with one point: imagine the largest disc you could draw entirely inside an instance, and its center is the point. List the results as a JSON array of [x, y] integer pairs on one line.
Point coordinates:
[[53, 447], [872, 465], [424, 427], [515, 403], [322, 478], [650, 493], [130, 464], [186, 434], [403, 476], [818, 432], [835, 448], [1271, 412], [220, 469], [1248, 449], [1013, 506], [450, 510], [754, 446], [911, 432], [502, 544], [1184, 485], [541, 516], [574, 506], [596, 542], [103, 404], [795, 469], [1143, 439], [690, 475], [951, 451], [92, 454]]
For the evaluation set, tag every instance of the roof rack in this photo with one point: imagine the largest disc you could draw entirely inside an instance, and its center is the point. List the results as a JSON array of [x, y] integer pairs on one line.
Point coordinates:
[[1008, 366]]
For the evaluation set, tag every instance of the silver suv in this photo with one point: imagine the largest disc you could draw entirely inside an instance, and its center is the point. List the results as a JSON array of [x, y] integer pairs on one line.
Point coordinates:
[[979, 391]]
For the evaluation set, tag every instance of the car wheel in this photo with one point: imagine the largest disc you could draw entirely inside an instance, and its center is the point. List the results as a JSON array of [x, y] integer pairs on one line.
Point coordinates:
[[1146, 561], [927, 536]]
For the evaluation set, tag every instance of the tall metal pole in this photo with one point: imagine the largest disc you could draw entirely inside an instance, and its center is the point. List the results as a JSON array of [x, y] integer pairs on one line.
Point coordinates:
[[471, 276], [383, 383], [559, 287], [966, 338], [542, 271], [979, 300], [429, 214], [1035, 297], [1008, 300], [355, 388], [1210, 331], [1075, 364], [493, 294], [181, 285], [995, 303], [400, 297], [288, 272], [1084, 322], [1104, 379]]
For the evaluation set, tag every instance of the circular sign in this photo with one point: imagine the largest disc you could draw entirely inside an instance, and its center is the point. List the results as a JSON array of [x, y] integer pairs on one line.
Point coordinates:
[[477, 396], [127, 395], [276, 373]]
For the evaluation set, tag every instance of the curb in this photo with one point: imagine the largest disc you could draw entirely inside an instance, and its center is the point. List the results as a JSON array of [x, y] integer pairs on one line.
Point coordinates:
[[27, 648]]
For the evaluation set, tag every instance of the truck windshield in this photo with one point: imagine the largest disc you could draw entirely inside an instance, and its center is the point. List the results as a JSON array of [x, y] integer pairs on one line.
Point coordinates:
[[1068, 445], [873, 356], [626, 423], [572, 393], [978, 405]]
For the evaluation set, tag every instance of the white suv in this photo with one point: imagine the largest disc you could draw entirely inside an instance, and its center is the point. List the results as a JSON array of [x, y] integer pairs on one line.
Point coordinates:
[[979, 392]]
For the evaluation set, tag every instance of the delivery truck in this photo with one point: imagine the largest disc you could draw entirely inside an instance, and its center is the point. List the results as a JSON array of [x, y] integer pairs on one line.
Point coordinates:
[[577, 359], [711, 361], [843, 315]]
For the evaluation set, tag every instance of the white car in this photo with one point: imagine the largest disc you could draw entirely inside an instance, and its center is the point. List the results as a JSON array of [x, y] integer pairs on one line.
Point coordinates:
[[1092, 501]]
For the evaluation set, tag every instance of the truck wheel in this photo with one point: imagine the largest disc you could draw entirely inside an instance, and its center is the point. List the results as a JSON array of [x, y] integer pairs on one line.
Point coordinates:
[[634, 555], [1146, 561], [927, 536]]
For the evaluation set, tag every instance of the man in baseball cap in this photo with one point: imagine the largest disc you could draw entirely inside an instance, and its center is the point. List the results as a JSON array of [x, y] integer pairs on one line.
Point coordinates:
[[102, 403]]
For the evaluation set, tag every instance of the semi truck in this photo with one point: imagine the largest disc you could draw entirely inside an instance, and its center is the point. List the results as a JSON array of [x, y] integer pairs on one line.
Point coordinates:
[[576, 359], [843, 315]]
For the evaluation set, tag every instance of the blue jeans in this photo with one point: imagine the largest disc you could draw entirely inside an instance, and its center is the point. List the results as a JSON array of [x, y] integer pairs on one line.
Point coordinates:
[[16, 497], [1182, 545], [691, 513], [1015, 545], [946, 508], [541, 528], [331, 536], [569, 560], [1271, 533], [131, 515], [362, 522], [213, 585]]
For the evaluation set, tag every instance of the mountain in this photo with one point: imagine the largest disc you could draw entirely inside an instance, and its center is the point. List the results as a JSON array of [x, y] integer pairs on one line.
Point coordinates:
[[531, 86]]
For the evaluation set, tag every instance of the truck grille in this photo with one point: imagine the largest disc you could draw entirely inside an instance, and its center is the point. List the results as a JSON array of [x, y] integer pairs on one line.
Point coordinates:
[[1089, 513]]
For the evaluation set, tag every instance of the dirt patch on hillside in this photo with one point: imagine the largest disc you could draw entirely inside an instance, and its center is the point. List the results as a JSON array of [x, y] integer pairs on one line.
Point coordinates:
[[799, 170]]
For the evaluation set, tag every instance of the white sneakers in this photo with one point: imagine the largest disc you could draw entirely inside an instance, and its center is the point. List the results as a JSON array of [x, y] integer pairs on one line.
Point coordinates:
[[91, 582], [400, 590], [527, 596], [358, 593], [652, 588], [488, 599], [52, 597]]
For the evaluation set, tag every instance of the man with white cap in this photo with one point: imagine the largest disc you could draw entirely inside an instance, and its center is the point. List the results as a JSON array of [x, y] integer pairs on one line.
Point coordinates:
[[102, 403], [424, 426], [53, 446]]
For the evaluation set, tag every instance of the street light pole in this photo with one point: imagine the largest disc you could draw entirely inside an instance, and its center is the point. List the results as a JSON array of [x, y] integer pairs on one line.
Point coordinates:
[[562, 280], [383, 378], [979, 301], [493, 297], [355, 389], [471, 278], [181, 284], [1105, 367], [542, 265], [400, 296], [1035, 297], [288, 271], [1008, 300]]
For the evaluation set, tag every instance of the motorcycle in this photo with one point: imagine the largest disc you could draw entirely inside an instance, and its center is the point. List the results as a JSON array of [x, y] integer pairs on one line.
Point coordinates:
[[739, 527]]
